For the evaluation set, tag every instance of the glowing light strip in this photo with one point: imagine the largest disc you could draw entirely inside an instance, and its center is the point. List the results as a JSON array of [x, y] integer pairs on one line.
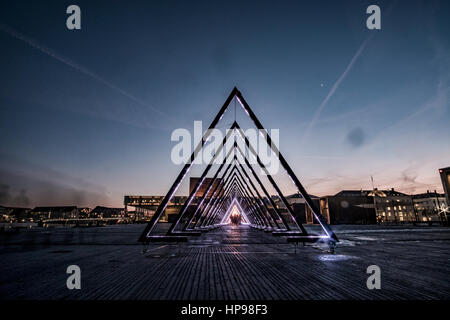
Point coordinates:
[[230, 208]]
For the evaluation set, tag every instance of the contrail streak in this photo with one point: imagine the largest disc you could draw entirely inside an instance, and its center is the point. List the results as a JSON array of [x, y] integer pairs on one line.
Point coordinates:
[[342, 77], [334, 88], [74, 65]]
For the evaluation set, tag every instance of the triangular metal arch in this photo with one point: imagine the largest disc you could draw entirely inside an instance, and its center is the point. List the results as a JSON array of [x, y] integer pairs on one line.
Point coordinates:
[[146, 236], [242, 211]]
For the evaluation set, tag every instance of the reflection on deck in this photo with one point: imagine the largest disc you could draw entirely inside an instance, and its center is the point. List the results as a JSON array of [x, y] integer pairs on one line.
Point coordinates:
[[233, 262]]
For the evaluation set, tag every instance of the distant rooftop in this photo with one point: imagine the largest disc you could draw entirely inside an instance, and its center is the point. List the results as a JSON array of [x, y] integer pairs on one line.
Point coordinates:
[[100, 209], [299, 196], [381, 193], [54, 209], [428, 194]]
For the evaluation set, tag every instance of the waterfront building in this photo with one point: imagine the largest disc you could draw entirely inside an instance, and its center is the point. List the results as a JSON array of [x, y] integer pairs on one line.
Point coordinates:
[[63, 212]]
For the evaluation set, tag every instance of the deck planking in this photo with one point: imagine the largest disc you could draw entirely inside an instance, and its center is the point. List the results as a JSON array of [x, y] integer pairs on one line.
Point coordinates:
[[225, 264]]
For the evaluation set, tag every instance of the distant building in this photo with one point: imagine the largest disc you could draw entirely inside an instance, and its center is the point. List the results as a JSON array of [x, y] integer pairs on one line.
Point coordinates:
[[393, 206], [105, 212], [301, 210], [201, 191], [84, 212], [431, 207], [349, 207], [298, 198], [15, 214], [345, 207], [445, 177], [143, 207], [382, 206], [43, 213]]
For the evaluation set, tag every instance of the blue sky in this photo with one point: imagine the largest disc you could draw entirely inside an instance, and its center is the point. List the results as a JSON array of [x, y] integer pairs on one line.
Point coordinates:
[[86, 116]]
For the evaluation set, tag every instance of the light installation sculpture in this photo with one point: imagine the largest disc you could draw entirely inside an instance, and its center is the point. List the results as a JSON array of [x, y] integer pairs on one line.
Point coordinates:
[[235, 186]]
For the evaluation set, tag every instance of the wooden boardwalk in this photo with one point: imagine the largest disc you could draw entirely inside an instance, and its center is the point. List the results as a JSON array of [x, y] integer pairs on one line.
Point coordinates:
[[227, 263]]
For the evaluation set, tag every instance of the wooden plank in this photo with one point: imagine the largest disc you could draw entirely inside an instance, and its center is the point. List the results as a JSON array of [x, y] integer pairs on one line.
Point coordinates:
[[226, 263]]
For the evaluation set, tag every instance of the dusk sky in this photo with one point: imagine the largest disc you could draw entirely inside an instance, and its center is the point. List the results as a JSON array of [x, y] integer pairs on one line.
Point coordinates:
[[86, 115]]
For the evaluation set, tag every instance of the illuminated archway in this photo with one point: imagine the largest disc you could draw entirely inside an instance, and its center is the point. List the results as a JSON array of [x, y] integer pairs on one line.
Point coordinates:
[[234, 185], [236, 210]]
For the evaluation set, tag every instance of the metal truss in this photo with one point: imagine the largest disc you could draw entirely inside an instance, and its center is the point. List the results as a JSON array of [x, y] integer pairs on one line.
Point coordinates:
[[235, 186]]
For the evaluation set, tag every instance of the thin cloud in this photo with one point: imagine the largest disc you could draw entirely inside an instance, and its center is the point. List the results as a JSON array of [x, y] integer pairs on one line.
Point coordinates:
[[342, 78], [74, 65], [26, 183], [334, 88], [435, 105]]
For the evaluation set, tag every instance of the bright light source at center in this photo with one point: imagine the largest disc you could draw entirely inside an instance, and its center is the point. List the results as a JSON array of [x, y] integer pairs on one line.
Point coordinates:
[[235, 216]]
